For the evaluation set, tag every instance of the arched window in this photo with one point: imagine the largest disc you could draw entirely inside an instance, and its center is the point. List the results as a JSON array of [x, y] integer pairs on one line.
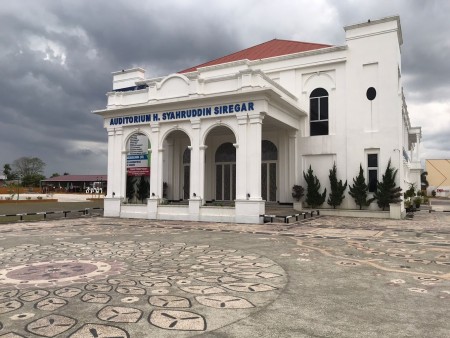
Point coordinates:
[[226, 153], [187, 156], [318, 112], [269, 151]]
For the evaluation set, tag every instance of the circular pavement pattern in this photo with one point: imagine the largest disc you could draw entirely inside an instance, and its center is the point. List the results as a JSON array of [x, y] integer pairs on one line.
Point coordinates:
[[126, 288]]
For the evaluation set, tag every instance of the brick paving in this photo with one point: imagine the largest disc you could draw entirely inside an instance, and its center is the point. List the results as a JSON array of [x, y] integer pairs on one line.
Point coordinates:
[[323, 276]]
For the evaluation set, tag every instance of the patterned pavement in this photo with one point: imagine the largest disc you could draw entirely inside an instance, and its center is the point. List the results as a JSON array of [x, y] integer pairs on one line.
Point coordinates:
[[103, 277]]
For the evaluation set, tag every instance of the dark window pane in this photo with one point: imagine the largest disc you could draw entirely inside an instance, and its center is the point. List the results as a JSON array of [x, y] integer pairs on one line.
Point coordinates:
[[314, 109], [319, 128], [264, 181], [269, 151], [273, 182], [187, 156], [318, 92], [187, 176], [373, 179], [219, 182], [227, 182], [233, 186], [323, 108], [372, 160], [226, 153]]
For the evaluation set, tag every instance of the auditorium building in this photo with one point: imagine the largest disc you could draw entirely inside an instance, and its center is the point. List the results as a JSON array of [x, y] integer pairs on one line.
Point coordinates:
[[221, 140]]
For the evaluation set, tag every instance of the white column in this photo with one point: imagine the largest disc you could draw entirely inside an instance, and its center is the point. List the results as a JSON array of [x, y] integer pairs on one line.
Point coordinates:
[[293, 170], [112, 200], [154, 162], [254, 155], [119, 164], [201, 172], [241, 158], [110, 162], [195, 162]]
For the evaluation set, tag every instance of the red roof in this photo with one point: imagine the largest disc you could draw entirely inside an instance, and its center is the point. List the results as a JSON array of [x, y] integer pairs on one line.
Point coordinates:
[[264, 50], [77, 178]]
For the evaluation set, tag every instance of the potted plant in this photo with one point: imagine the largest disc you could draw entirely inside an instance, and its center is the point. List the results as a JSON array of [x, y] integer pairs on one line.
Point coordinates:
[[408, 206], [417, 201], [297, 193]]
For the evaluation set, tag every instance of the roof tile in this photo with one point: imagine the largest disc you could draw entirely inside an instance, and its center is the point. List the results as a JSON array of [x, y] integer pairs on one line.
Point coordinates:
[[264, 50]]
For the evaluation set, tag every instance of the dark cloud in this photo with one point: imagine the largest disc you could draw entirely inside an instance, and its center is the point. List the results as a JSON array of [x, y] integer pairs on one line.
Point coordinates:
[[57, 58]]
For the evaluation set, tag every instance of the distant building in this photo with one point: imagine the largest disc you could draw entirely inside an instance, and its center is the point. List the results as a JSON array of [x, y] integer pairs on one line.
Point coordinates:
[[75, 183], [240, 130], [2, 180], [438, 177]]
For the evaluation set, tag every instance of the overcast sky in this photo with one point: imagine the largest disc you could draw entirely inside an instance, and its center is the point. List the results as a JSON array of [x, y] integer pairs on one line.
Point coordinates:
[[56, 59]]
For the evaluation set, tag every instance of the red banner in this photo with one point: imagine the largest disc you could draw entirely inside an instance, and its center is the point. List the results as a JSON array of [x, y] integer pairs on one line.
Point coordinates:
[[138, 171]]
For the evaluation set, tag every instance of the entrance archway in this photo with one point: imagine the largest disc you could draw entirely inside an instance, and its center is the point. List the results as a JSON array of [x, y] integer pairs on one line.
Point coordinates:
[[175, 178], [269, 159], [220, 164], [137, 186]]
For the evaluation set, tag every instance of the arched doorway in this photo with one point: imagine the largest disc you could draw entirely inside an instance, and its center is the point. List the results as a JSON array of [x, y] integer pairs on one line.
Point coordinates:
[[137, 186], [174, 174], [269, 158], [225, 164]]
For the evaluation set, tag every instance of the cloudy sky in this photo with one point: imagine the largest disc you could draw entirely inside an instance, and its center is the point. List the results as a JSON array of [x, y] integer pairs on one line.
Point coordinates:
[[56, 59]]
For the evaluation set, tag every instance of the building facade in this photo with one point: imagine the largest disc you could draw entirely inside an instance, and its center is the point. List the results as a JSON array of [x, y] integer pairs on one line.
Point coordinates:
[[438, 176], [230, 135]]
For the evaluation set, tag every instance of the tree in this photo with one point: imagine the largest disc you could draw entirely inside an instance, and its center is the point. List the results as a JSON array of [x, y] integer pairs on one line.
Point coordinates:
[[337, 189], [359, 190], [55, 175], [32, 180], [8, 172], [143, 189], [130, 190], [26, 166], [387, 192], [29, 170], [313, 196]]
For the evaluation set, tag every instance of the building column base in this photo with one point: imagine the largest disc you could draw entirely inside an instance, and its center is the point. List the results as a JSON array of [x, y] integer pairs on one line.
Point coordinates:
[[395, 211], [152, 208], [248, 211], [194, 209], [112, 206]]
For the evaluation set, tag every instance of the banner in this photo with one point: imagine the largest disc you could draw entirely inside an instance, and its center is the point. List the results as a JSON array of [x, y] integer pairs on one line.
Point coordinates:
[[138, 159]]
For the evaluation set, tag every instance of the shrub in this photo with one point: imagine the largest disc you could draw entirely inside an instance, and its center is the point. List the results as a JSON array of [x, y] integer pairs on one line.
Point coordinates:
[[337, 189], [297, 192], [39, 197], [313, 197], [411, 191], [387, 191], [360, 189], [417, 201]]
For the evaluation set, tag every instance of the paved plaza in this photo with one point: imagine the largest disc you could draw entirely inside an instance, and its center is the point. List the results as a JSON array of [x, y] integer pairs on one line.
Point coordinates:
[[320, 277]]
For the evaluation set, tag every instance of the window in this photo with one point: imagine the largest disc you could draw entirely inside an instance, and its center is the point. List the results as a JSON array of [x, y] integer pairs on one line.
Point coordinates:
[[318, 112], [372, 171]]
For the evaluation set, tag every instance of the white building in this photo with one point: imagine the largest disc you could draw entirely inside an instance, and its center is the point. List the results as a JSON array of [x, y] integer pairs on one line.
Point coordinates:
[[244, 127]]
